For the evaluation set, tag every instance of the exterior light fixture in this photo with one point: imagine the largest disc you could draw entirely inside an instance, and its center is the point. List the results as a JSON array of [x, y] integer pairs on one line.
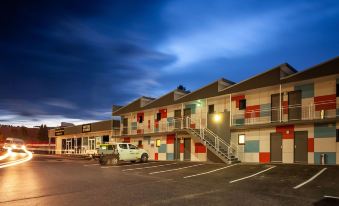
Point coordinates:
[[217, 118]]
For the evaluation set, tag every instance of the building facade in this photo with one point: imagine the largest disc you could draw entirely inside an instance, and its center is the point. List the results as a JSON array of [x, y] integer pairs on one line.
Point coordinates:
[[281, 115]]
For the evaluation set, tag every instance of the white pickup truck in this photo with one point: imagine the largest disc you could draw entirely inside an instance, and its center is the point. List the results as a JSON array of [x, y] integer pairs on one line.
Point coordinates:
[[112, 153]]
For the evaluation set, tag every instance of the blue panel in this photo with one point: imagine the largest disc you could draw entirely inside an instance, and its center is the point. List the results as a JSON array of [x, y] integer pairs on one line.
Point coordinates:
[[170, 121], [192, 107], [307, 90], [239, 121], [331, 157], [265, 110], [324, 130], [162, 148], [133, 125], [169, 156], [252, 146]]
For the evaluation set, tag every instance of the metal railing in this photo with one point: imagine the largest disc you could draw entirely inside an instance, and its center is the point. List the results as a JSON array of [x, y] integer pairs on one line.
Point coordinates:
[[286, 113]]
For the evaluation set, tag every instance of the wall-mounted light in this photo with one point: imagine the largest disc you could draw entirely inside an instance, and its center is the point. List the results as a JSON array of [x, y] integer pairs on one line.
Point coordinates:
[[216, 117]]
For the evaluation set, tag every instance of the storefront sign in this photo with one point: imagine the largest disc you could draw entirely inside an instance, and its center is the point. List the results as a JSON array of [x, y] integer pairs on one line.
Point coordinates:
[[59, 132], [86, 128]]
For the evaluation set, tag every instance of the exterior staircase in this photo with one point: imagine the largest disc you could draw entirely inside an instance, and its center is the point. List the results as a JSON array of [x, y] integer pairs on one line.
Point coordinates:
[[227, 152]]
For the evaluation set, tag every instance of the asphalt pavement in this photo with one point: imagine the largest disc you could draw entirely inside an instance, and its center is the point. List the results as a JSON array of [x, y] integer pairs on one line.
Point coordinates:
[[49, 180]]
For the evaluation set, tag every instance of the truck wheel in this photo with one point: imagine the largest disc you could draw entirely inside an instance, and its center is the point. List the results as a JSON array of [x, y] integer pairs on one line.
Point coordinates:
[[144, 158]]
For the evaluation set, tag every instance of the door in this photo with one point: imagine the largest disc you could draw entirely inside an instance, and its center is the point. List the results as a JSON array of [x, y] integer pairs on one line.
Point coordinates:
[[91, 144], [124, 153], [134, 152], [300, 146], [63, 146], [294, 105], [275, 105], [187, 115], [125, 126], [177, 149], [187, 149], [276, 147], [177, 117], [68, 146]]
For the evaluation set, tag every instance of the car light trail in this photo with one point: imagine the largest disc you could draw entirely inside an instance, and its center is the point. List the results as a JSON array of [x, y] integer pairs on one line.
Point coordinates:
[[6, 155], [16, 162]]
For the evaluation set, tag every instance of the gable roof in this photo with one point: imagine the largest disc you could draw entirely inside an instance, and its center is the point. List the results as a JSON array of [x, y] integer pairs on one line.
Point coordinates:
[[326, 68], [133, 106], [268, 78], [209, 90]]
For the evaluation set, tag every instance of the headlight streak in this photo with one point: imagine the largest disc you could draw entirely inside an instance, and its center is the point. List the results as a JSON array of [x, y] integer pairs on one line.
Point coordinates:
[[8, 154], [16, 162]]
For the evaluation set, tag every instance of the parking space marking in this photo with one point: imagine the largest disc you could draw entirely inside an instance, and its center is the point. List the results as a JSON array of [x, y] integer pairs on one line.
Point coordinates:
[[332, 197], [105, 167], [170, 170], [204, 173], [252, 175], [312, 178], [140, 168], [91, 165]]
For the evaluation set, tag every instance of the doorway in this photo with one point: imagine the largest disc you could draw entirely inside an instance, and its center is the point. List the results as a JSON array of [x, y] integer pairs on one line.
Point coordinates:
[[294, 105], [177, 119], [177, 149], [68, 146], [187, 113], [187, 149], [300, 147], [275, 107], [276, 147]]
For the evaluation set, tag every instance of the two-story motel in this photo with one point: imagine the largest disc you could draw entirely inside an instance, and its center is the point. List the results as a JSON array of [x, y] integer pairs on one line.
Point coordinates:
[[281, 115]]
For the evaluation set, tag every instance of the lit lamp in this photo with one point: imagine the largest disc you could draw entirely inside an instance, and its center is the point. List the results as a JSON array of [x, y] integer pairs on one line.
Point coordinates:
[[216, 117]]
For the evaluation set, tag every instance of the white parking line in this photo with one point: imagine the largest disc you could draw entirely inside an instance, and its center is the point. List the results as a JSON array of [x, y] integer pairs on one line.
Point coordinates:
[[252, 175], [91, 165], [105, 167], [309, 180], [332, 197], [204, 173], [140, 168], [170, 170]]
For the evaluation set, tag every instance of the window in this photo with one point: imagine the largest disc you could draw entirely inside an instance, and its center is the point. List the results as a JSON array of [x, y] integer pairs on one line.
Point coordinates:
[[141, 119], [109, 147], [337, 135], [242, 104], [241, 139], [157, 143], [337, 90], [211, 109], [140, 143], [132, 146], [105, 138], [158, 116], [123, 146]]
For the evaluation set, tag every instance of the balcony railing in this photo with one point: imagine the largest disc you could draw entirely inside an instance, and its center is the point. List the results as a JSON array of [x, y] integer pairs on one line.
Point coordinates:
[[323, 110], [165, 125]]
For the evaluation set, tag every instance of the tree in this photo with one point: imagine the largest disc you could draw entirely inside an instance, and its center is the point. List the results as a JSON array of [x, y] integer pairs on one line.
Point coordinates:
[[43, 133], [182, 88]]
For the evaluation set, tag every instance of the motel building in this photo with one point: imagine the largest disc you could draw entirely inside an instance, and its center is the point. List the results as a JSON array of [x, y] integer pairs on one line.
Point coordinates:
[[281, 115]]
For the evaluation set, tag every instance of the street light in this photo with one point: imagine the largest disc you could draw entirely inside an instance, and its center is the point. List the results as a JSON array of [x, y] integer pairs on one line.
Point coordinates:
[[217, 118]]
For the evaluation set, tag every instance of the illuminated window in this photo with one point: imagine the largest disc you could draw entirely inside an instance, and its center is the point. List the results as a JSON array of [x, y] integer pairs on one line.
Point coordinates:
[[241, 139], [157, 143]]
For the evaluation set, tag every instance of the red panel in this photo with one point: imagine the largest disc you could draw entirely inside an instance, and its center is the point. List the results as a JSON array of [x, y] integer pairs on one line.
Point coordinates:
[[156, 157], [140, 131], [237, 98], [156, 123], [182, 149], [264, 157], [325, 102], [170, 139], [286, 131], [200, 148], [163, 113], [310, 145], [285, 107], [127, 139], [140, 114], [252, 111], [192, 126]]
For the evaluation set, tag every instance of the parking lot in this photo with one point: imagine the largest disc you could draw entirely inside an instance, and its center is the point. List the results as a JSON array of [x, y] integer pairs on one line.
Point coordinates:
[[55, 181]]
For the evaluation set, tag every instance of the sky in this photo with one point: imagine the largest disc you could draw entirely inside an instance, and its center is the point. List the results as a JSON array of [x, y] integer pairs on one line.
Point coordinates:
[[71, 60]]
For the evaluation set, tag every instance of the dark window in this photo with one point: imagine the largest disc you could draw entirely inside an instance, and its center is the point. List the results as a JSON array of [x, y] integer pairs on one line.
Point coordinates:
[[159, 116], [337, 135], [132, 146], [140, 143], [211, 109], [141, 119], [123, 146], [110, 147], [337, 90], [105, 138], [242, 104]]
